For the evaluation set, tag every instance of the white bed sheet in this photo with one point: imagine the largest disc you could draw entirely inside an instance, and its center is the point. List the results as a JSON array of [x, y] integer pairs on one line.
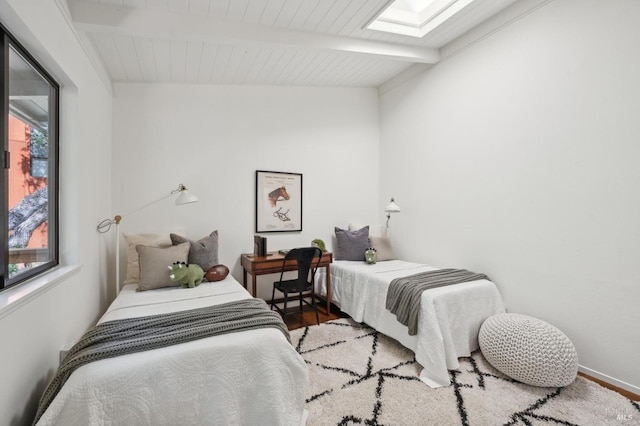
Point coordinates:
[[448, 323], [245, 378]]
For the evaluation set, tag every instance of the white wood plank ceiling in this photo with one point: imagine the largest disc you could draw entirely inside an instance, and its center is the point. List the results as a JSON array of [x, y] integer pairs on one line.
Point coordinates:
[[257, 42]]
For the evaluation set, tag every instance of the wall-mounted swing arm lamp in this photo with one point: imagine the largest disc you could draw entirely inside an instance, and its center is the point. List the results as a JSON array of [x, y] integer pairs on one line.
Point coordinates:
[[392, 207], [184, 197]]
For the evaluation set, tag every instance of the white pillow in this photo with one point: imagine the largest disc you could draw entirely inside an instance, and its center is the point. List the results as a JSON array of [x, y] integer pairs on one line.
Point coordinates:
[[384, 249], [374, 230], [150, 240]]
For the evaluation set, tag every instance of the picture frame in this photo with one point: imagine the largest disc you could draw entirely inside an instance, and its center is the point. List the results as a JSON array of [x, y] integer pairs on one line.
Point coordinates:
[[278, 201]]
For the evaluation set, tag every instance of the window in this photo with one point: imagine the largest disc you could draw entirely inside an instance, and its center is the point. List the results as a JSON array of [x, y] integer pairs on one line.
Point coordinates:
[[416, 18], [29, 230]]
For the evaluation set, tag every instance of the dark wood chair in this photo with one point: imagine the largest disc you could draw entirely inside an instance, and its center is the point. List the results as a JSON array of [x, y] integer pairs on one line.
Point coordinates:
[[301, 287]]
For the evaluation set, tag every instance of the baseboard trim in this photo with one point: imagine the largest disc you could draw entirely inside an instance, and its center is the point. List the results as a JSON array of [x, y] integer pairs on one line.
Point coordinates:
[[624, 388]]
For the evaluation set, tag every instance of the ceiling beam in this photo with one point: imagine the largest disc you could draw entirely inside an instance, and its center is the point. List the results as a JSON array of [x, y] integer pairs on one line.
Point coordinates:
[[135, 22]]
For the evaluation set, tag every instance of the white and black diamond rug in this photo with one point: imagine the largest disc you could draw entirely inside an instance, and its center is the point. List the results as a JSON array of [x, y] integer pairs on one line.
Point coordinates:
[[359, 376]]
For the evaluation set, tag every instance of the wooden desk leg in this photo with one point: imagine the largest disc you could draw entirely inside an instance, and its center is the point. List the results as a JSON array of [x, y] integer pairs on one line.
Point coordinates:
[[328, 289], [253, 285]]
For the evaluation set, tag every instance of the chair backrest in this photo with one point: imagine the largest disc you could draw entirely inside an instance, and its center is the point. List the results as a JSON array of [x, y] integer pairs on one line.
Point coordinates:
[[308, 260]]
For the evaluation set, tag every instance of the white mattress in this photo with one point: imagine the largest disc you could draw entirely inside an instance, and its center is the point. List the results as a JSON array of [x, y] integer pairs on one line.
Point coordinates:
[[448, 323], [243, 378]]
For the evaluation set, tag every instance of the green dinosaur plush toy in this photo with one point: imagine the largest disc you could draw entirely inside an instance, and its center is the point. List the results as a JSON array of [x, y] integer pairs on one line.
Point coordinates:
[[189, 276], [320, 244]]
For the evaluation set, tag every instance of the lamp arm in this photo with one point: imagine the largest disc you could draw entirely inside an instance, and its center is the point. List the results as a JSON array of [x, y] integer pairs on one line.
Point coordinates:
[[117, 254], [144, 206], [105, 225]]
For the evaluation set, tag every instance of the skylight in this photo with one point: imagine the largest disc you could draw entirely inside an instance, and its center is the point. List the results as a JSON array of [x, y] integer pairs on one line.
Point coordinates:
[[416, 18]]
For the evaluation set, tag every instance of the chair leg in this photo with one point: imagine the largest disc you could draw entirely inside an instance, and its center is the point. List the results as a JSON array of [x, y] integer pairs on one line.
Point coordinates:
[[315, 306], [273, 295], [286, 297]]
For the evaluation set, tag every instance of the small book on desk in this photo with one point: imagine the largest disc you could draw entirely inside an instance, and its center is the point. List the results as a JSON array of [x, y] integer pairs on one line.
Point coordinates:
[[284, 251], [259, 245]]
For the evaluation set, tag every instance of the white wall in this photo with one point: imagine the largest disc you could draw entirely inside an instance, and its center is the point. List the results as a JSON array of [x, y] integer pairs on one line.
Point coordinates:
[[214, 138], [32, 333], [518, 157]]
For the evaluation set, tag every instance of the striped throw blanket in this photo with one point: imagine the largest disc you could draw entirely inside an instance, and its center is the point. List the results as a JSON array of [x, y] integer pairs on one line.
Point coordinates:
[[403, 296], [121, 337]]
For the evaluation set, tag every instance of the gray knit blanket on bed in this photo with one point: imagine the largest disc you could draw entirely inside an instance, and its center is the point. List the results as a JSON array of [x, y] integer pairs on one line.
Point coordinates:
[[125, 336], [404, 294]]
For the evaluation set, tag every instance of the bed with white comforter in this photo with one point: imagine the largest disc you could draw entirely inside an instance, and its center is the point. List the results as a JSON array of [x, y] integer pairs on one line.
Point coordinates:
[[448, 322], [244, 378]]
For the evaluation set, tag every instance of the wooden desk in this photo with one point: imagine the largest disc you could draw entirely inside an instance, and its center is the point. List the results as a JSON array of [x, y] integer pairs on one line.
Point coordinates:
[[271, 264]]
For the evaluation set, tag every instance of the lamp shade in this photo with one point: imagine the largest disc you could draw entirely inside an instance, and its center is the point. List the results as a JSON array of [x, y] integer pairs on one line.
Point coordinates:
[[185, 197], [392, 207]]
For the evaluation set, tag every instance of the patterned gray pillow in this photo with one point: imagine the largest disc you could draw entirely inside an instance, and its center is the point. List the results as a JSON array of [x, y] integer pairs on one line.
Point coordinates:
[[352, 244], [203, 252]]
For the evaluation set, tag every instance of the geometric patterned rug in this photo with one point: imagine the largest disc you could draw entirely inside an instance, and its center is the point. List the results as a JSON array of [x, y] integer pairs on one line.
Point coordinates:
[[358, 376]]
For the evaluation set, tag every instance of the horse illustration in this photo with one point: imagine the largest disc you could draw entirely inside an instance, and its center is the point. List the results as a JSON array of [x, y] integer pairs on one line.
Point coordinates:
[[276, 194]]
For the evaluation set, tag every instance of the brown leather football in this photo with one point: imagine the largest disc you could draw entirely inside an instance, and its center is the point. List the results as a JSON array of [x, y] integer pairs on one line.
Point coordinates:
[[217, 273]]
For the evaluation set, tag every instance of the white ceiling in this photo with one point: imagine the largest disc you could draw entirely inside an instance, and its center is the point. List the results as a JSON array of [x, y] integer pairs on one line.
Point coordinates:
[[257, 42]]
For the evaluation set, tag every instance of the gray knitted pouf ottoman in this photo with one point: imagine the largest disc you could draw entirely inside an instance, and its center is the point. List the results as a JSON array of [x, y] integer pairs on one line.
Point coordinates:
[[528, 350]]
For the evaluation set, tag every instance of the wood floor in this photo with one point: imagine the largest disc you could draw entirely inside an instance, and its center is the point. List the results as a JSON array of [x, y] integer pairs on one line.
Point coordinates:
[[632, 396], [309, 318]]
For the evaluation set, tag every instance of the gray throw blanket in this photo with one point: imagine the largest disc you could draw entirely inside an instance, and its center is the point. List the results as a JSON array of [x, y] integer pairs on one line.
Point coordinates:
[[130, 335], [403, 296]]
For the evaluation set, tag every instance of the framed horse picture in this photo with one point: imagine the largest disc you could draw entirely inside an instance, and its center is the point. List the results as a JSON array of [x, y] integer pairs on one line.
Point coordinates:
[[278, 201]]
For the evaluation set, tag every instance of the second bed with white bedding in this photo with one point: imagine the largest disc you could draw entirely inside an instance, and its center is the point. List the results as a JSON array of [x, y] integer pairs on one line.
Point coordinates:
[[449, 320], [230, 379]]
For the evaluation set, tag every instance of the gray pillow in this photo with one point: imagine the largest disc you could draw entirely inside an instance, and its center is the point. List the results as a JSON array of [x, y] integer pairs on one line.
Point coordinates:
[[384, 250], [154, 262], [203, 252], [352, 244]]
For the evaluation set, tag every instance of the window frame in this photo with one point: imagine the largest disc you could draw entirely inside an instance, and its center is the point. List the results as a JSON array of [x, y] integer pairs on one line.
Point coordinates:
[[9, 41]]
